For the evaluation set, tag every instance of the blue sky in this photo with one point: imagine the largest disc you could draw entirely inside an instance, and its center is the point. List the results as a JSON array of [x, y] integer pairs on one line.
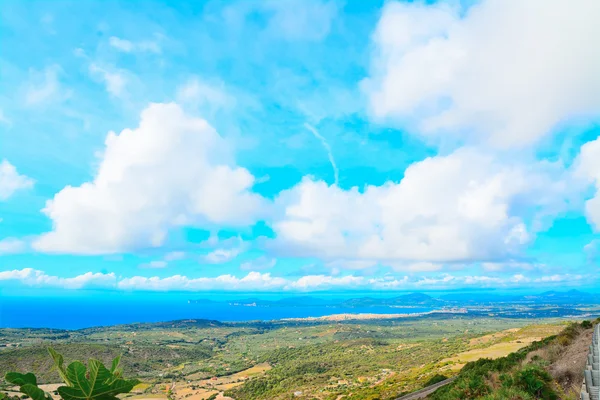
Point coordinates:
[[300, 145]]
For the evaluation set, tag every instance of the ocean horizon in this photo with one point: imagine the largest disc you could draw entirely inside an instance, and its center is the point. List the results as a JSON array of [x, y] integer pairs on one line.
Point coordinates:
[[84, 312]]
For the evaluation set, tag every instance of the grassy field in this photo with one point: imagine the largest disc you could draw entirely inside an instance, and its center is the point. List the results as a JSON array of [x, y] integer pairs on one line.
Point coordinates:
[[547, 369], [354, 359], [501, 344]]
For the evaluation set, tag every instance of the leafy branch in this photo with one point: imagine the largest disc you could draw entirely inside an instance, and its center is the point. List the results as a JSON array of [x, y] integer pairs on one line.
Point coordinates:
[[94, 382]]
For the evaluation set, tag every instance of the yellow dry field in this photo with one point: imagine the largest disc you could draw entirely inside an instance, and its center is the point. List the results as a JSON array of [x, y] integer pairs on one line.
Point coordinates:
[[204, 388], [177, 335], [198, 394], [492, 337], [257, 369], [494, 351], [519, 338], [328, 332], [140, 387]]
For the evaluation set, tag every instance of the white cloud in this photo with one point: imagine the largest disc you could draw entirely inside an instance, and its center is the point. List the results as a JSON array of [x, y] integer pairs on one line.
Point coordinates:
[[558, 278], [258, 264], [588, 166], [510, 265], [312, 282], [308, 20], [128, 46], [156, 264], [4, 119], [254, 280], [174, 256], [265, 281], [114, 80], [121, 44], [172, 170], [44, 87], [423, 266], [220, 256], [12, 245], [462, 207], [11, 181], [290, 20], [200, 93], [223, 250], [32, 277], [592, 251], [338, 265], [501, 70]]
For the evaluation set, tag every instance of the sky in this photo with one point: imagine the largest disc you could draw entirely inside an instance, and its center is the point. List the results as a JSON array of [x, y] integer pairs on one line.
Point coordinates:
[[299, 145]]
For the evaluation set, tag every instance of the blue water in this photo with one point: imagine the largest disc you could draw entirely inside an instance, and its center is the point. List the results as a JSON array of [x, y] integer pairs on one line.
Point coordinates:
[[83, 312]]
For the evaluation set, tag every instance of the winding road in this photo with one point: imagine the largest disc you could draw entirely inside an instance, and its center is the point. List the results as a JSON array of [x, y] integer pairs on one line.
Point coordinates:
[[421, 394]]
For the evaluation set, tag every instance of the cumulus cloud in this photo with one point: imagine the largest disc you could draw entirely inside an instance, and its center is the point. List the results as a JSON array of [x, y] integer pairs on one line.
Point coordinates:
[[502, 70], [173, 169], [265, 281], [254, 280], [33, 277], [12, 245], [11, 181], [467, 206], [588, 166]]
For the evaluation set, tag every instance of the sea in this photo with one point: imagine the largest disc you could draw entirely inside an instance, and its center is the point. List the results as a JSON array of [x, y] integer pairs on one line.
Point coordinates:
[[77, 312]]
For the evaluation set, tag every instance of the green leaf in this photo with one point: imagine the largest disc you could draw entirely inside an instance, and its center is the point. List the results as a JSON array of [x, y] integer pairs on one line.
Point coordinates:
[[35, 392], [71, 393], [76, 374], [115, 364], [27, 385], [59, 364], [95, 382], [20, 379]]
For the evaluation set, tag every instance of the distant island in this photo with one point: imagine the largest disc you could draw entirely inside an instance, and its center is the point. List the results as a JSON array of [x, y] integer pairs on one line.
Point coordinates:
[[417, 299]]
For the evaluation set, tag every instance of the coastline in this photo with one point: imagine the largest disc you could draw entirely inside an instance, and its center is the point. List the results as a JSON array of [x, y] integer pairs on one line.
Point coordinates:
[[371, 316]]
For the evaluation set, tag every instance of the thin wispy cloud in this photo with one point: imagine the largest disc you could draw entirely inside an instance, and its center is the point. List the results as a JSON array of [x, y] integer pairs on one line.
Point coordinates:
[[313, 130]]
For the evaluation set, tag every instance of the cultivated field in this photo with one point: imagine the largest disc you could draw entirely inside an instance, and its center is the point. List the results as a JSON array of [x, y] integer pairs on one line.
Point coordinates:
[[199, 360]]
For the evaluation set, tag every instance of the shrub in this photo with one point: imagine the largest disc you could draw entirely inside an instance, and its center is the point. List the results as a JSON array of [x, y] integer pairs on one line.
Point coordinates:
[[587, 324], [435, 379], [537, 382], [508, 393]]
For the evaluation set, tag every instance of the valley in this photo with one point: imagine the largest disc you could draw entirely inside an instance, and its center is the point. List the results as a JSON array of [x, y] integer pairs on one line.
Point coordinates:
[[306, 359]]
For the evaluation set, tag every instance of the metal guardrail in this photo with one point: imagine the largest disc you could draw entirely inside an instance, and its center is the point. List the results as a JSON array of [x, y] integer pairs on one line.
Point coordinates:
[[422, 393], [590, 390]]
